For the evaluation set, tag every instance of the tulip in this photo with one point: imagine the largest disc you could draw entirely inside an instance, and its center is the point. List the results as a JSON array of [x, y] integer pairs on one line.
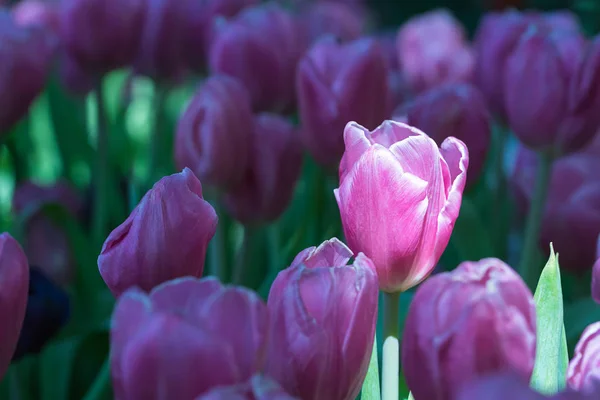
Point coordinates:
[[213, 134], [26, 54], [160, 53], [562, 20], [46, 244], [433, 49], [338, 83], [399, 197], [37, 12], [14, 285], [454, 110], [270, 179], [165, 236], [462, 325], [341, 20], [258, 387], [260, 47], [102, 35], [583, 373], [596, 275], [323, 314], [184, 338]]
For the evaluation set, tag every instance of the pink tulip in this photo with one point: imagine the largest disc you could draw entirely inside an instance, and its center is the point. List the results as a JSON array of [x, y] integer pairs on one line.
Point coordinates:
[[165, 237], [323, 314], [583, 373], [214, 132], [184, 338], [433, 49], [338, 83], [14, 287], [399, 197], [259, 387], [462, 325], [269, 181]]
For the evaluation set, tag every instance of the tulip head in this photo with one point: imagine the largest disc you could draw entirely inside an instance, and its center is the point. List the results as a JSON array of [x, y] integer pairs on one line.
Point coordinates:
[[337, 83], [259, 387], [341, 20], [213, 134], [270, 179], [596, 276], [323, 314], [14, 286], [583, 373], [399, 197], [461, 325], [433, 49], [186, 337], [165, 237]]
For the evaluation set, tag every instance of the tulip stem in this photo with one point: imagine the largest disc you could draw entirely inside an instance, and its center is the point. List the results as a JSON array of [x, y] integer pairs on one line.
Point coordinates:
[[101, 386], [156, 139], [101, 178], [216, 247], [370, 389], [500, 203], [391, 347], [528, 265]]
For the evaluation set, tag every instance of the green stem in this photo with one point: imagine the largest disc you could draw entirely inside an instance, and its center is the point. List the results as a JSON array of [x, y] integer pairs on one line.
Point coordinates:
[[500, 220], [100, 388], [529, 267], [249, 266], [217, 249], [318, 187], [273, 246], [370, 389], [156, 139], [391, 347], [102, 165]]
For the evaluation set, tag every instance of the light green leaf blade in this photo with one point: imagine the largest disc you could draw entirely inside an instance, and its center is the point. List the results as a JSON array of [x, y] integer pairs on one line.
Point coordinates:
[[370, 389], [551, 354]]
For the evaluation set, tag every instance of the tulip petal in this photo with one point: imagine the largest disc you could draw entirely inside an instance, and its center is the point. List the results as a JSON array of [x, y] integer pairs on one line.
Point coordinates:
[[357, 141], [390, 132], [331, 253], [184, 295]]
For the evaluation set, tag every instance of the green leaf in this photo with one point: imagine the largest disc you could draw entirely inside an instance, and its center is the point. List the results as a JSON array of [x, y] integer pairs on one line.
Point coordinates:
[[56, 363], [551, 358], [370, 389], [89, 359]]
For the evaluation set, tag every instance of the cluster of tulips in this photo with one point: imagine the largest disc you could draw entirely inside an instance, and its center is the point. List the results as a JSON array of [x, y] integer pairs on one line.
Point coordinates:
[[318, 167]]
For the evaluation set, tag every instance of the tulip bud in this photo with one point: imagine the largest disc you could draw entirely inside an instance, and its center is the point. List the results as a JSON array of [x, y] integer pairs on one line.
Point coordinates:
[[46, 244], [160, 54], [165, 236], [258, 387], [14, 285], [583, 373], [184, 338], [462, 325], [102, 35], [341, 20], [260, 47], [213, 134], [564, 20], [596, 275], [338, 83], [269, 181], [396, 179], [37, 13], [323, 315], [456, 110], [433, 49]]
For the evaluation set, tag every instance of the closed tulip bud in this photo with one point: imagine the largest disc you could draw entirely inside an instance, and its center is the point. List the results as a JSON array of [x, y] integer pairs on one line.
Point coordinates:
[[14, 285], [596, 276], [341, 20], [165, 237], [396, 179], [433, 49], [258, 387], [564, 20], [213, 134], [323, 315], [338, 83], [456, 110], [583, 373], [46, 244], [102, 35], [270, 179], [160, 53], [37, 13], [260, 47], [483, 322], [186, 337]]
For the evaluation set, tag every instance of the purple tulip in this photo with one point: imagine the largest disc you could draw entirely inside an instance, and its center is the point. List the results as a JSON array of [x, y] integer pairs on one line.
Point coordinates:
[[258, 387], [338, 83], [583, 373], [165, 237], [214, 132], [323, 315], [37, 13], [270, 179], [184, 338], [341, 20], [102, 35], [454, 110], [14, 286], [462, 325], [260, 47], [433, 49], [596, 275], [46, 244], [399, 197]]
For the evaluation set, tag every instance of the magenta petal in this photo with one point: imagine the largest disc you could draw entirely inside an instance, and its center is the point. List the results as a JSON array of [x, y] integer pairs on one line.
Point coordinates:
[[331, 253], [390, 132], [184, 295], [417, 155], [357, 141]]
